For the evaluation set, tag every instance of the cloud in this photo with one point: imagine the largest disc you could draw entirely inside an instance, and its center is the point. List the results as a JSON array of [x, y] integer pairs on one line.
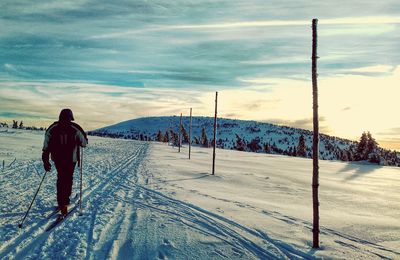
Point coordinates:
[[9, 66], [391, 143], [304, 123], [201, 45], [375, 70], [95, 105], [161, 57], [389, 138], [391, 131], [254, 24]]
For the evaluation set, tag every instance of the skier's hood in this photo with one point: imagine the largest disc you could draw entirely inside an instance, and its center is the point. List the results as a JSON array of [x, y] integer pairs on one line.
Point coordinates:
[[66, 115]]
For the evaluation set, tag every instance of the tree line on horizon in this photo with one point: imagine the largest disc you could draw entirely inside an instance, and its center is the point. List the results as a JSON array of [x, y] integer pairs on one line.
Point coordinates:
[[20, 125], [366, 149]]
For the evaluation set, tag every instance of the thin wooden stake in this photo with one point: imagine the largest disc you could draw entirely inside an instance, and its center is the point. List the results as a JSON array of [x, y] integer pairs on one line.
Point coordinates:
[[80, 186], [215, 132], [179, 136], [315, 181], [190, 132]]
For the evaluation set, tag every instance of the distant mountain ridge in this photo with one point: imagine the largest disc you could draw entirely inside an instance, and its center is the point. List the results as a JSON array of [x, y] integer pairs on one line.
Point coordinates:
[[240, 135]]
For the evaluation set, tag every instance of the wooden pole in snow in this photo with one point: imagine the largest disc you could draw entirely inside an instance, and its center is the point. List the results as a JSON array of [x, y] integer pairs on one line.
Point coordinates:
[[179, 136], [315, 181], [215, 132], [80, 186], [190, 132]]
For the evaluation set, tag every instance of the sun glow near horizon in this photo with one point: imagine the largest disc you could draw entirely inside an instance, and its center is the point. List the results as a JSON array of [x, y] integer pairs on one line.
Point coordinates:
[[162, 58], [349, 104]]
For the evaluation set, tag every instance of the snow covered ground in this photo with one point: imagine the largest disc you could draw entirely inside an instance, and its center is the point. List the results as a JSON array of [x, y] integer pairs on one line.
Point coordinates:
[[147, 201]]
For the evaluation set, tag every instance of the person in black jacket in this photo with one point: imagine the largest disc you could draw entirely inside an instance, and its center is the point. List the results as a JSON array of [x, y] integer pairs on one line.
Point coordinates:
[[63, 140]]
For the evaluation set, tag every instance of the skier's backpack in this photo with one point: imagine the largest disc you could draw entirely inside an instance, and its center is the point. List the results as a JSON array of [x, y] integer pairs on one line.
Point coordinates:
[[63, 142]]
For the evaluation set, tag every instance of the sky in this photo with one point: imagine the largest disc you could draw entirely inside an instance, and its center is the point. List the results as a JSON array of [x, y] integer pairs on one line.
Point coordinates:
[[111, 61]]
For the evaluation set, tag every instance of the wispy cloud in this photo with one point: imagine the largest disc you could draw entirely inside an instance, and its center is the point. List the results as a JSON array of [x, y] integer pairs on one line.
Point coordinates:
[[375, 69], [158, 57], [391, 132], [95, 105], [304, 123], [254, 24]]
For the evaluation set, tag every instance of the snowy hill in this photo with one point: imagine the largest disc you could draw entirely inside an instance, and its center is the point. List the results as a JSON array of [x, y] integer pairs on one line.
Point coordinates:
[[144, 200], [256, 136]]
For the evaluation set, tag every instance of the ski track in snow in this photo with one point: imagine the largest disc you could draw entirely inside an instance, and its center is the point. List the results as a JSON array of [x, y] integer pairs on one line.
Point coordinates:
[[33, 237], [122, 218]]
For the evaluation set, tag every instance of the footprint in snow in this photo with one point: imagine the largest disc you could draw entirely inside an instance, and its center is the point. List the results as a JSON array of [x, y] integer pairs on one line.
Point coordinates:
[[167, 243]]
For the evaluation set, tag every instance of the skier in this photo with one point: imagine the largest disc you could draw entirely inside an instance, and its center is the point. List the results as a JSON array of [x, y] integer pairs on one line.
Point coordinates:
[[63, 140]]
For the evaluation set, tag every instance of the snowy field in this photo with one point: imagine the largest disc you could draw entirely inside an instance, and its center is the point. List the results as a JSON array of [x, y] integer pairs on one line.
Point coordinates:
[[147, 201]]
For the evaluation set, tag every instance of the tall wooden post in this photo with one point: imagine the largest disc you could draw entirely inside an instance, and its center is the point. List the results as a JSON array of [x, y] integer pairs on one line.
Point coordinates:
[[190, 132], [315, 181], [80, 186], [179, 135], [215, 133]]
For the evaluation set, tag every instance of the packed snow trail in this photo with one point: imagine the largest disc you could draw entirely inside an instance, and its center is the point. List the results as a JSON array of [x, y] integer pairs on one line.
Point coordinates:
[[147, 201], [122, 217], [102, 182]]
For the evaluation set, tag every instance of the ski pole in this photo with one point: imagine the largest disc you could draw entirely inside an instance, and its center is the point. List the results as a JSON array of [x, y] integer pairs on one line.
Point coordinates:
[[80, 194], [34, 197]]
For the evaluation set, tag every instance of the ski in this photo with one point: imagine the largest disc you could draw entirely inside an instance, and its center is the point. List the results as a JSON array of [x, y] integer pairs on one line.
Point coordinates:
[[56, 209], [60, 219], [52, 213]]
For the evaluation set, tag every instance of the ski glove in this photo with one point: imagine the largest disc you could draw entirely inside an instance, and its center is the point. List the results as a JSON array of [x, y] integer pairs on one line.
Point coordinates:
[[47, 166], [45, 159]]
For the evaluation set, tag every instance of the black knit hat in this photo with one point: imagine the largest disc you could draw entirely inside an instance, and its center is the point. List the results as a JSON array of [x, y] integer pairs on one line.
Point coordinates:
[[66, 115]]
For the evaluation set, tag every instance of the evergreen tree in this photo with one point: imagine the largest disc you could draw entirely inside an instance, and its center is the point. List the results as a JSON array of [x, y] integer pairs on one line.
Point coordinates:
[[204, 139], [254, 145], [240, 144], [301, 147], [362, 148], [374, 157], [174, 138], [220, 144], [185, 136], [367, 149], [267, 148], [160, 136], [294, 151], [372, 149], [166, 137], [345, 156], [371, 144], [351, 152]]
